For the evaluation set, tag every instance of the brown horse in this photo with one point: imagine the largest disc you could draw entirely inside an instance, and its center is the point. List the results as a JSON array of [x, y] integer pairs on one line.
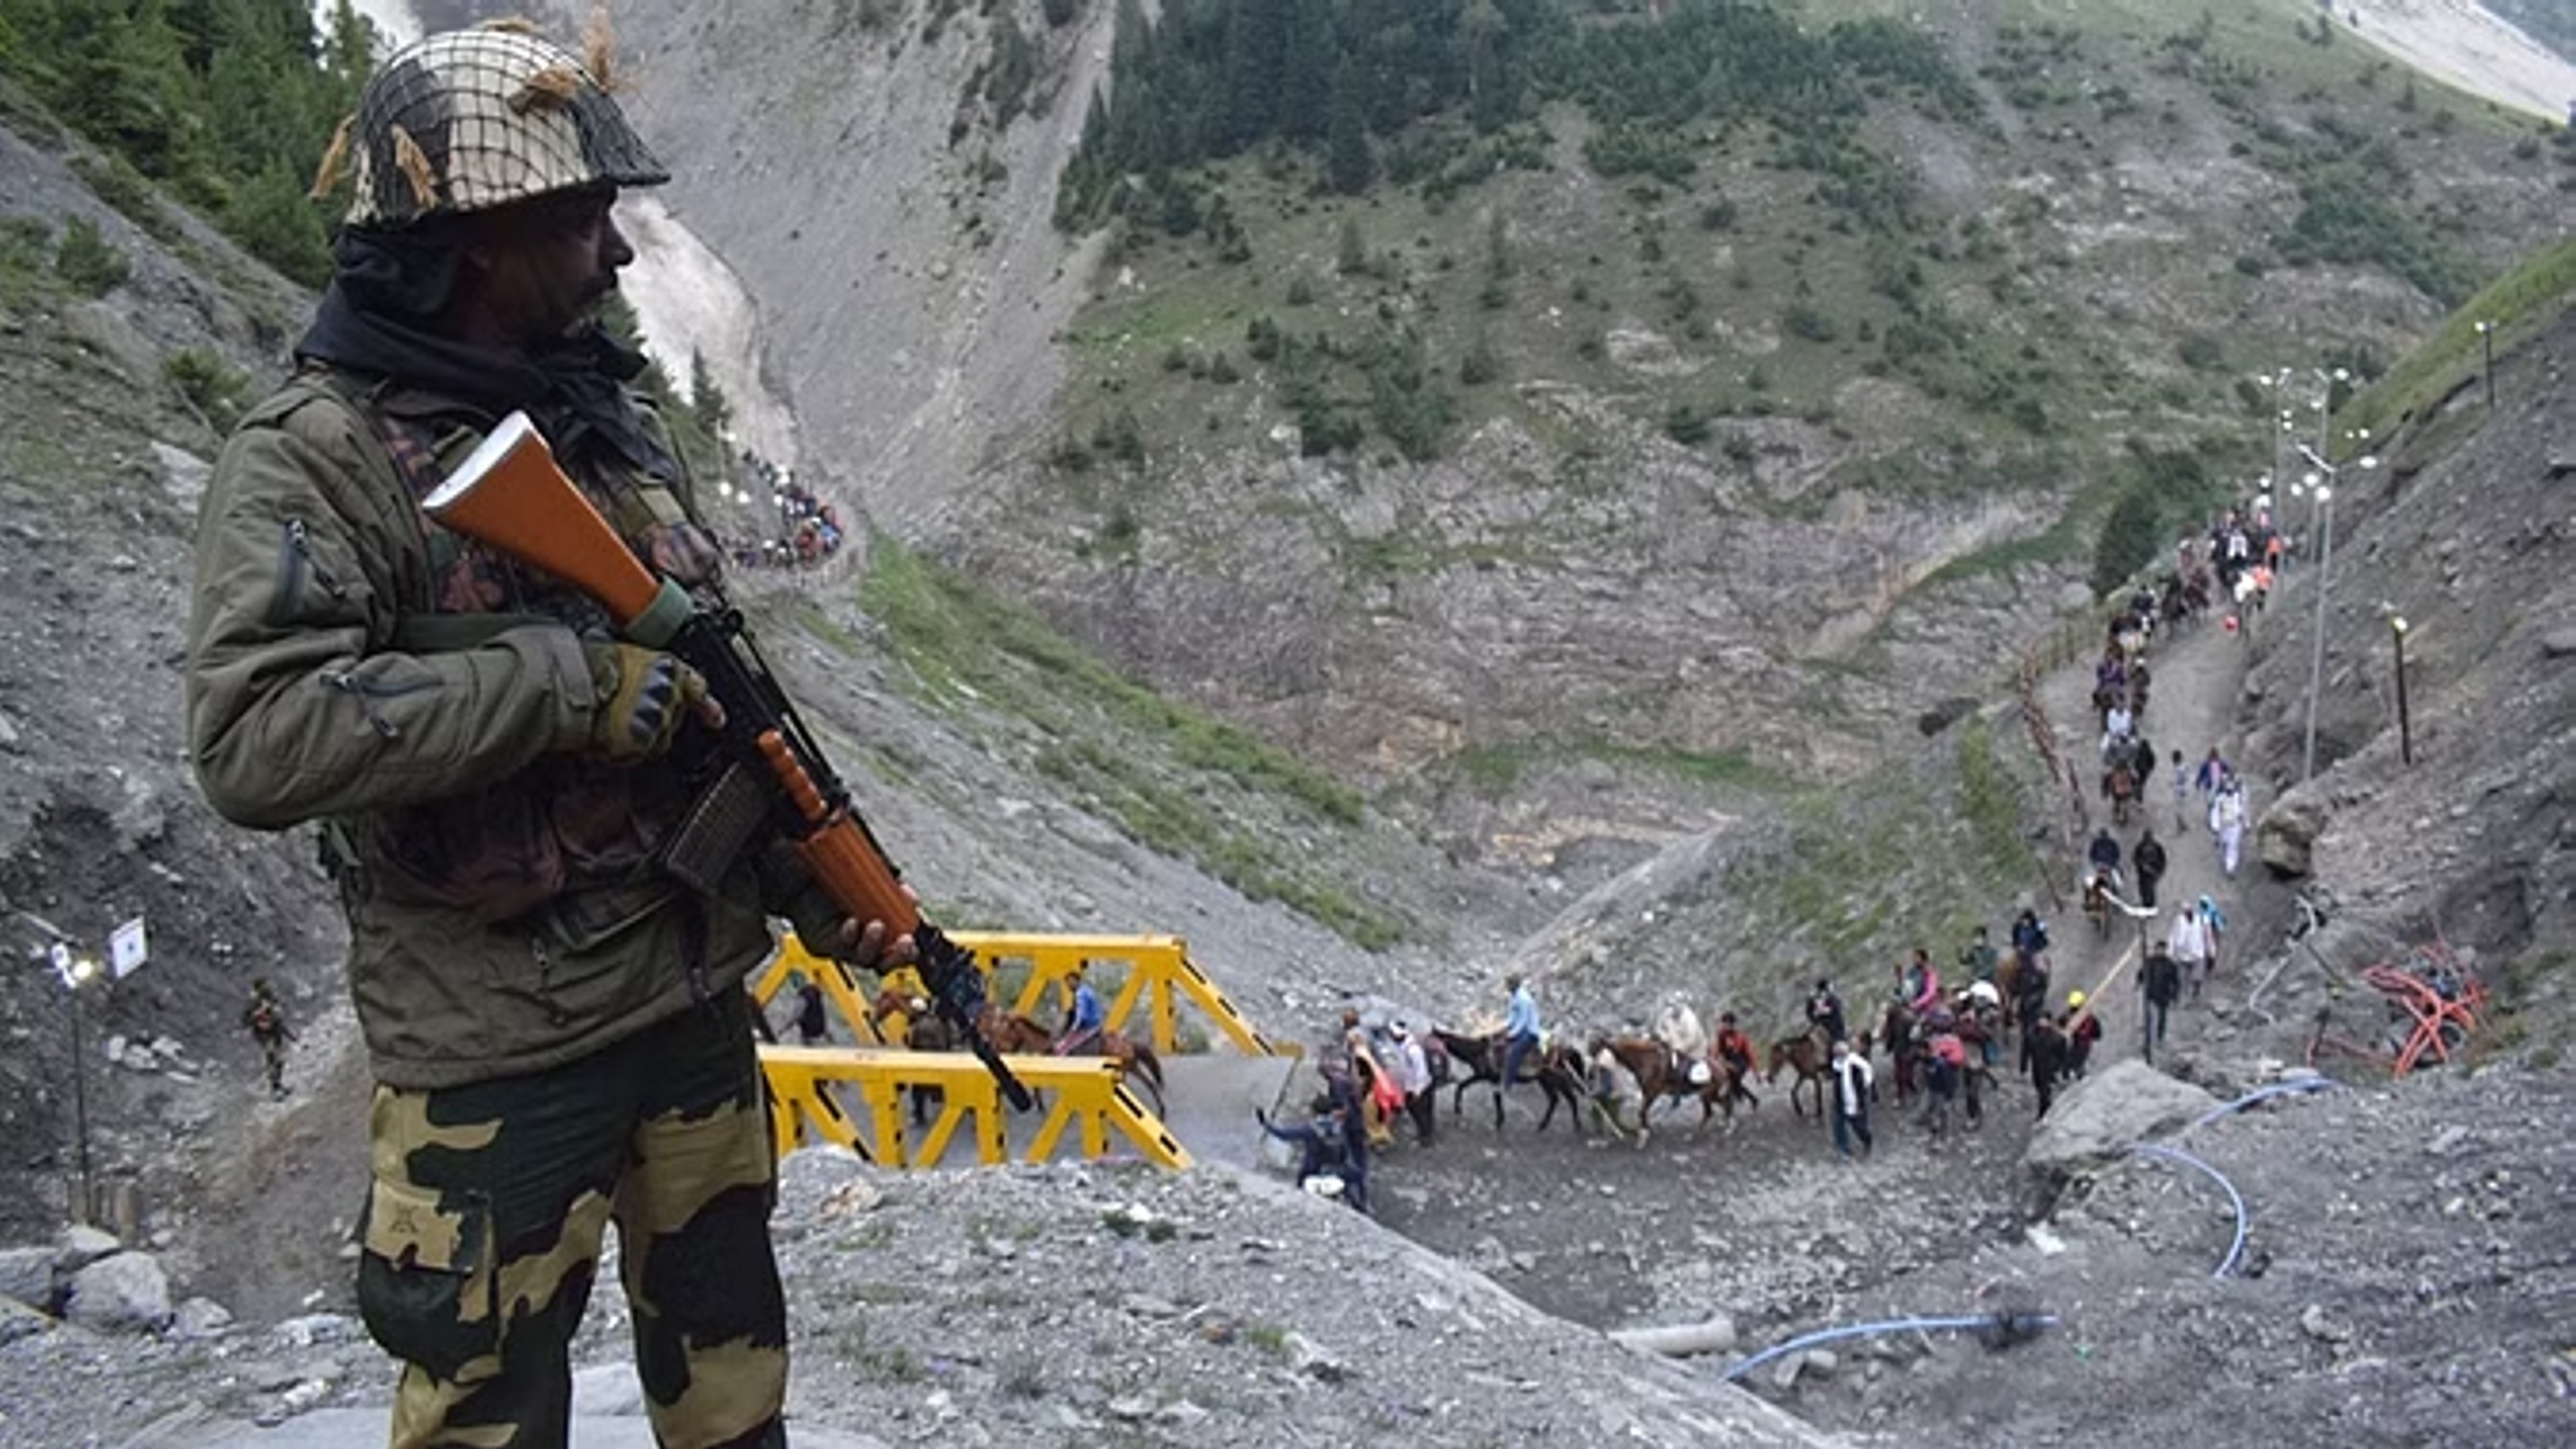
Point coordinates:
[[1009, 1031], [1663, 1073], [1810, 1055]]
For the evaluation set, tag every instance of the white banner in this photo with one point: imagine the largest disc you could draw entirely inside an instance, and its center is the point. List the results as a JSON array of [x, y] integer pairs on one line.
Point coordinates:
[[126, 949]]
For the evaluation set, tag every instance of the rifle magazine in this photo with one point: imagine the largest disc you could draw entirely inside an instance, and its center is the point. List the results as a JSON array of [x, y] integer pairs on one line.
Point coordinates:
[[726, 817]]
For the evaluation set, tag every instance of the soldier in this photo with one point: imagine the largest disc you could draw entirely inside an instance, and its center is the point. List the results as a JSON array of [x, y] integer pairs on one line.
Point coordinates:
[[556, 1024], [265, 1018]]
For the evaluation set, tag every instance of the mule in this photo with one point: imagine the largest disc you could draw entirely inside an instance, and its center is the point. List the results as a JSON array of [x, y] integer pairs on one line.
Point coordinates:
[[1557, 1070]]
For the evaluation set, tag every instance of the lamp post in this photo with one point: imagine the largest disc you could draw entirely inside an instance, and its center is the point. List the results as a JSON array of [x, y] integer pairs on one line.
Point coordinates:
[[2486, 345], [2321, 484], [78, 972], [2405, 725]]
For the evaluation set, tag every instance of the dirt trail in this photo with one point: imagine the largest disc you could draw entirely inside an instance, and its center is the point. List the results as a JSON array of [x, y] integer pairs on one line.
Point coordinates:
[[2197, 678]]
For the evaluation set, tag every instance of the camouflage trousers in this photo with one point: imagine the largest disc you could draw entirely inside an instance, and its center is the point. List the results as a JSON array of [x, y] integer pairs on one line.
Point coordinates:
[[484, 1223]]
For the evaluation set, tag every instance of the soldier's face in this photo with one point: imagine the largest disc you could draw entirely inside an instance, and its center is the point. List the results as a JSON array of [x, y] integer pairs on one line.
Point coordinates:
[[548, 263]]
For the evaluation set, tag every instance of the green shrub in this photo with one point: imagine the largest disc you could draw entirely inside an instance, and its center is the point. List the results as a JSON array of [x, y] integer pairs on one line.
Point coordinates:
[[1686, 423], [2131, 535], [216, 388], [85, 260]]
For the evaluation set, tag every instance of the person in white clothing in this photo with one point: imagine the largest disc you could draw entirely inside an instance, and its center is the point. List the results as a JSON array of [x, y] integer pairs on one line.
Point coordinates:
[[2227, 815], [2188, 943], [1413, 1074], [1851, 1100]]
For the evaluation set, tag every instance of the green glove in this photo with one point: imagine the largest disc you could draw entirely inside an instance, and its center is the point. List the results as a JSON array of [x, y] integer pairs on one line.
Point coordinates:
[[642, 695]]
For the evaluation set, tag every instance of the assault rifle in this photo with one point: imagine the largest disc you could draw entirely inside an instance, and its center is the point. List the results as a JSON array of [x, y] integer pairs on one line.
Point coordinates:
[[770, 774]]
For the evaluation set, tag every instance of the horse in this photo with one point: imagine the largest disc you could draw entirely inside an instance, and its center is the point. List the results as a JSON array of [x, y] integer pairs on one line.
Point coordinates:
[[1558, 1070], [1663, 1073], [1808, 1053], [1009, 1031]]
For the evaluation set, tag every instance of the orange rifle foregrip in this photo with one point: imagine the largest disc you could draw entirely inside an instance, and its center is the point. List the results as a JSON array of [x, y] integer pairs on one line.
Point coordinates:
[[840, 855]]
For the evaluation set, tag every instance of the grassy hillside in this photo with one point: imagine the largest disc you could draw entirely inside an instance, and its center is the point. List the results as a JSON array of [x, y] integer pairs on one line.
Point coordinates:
[[1978, 280], [1900, 212]]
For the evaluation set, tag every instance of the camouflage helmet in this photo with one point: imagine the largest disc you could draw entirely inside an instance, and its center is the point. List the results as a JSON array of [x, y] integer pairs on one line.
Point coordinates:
[[475, 119]]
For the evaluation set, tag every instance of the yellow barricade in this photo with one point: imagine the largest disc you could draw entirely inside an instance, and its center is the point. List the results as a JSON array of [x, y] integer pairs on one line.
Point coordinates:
[[1160, 973], [806, 1086]]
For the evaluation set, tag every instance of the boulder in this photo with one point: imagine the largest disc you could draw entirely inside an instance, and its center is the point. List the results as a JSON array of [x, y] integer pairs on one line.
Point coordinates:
[[82, 1245], [27, 1276], [18, 1321], [2558, 643], [2287, 833], [201, 1318], [123, 1292], [2101, 1117]]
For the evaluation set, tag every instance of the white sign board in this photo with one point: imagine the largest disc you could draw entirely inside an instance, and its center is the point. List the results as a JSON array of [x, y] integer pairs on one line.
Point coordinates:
[[126, 951]]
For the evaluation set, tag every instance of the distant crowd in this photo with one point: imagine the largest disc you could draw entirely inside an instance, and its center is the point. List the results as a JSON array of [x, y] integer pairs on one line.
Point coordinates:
[[1945, 1043]]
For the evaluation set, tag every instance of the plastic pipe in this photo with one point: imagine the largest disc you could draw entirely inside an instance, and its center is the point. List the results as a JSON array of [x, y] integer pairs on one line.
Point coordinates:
[[2264, 1094], [2008, 1322], [2235, 1249]]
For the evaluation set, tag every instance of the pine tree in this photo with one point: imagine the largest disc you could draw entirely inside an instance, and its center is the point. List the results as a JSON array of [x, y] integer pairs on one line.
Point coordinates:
[[1306, 77], [706, 400], [1348, 162]]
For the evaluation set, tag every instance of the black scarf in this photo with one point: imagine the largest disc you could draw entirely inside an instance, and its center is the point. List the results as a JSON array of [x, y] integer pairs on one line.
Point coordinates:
[[387, 284]]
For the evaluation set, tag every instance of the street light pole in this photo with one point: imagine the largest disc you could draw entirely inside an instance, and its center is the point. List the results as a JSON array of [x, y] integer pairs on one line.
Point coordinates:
[[75, 978], [2324, 480], [2486, 344], [2405, 726]]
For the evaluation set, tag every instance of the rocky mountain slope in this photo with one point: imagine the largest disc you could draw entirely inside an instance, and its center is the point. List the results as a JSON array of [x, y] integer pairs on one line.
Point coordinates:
[[1568, 588]]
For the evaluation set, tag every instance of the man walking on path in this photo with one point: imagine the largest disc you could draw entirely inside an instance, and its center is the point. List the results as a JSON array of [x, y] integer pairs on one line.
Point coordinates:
[[1413, 1074], [2227, 816], [2044, 1046], [2188, 943], [1851, 1100], [266, 1020], [2181, 794], [2148, 860], [2213, 932], [2161, 980]]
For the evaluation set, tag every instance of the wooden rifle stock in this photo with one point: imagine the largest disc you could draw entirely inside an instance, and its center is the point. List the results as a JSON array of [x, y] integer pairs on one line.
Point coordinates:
[[510, 493]]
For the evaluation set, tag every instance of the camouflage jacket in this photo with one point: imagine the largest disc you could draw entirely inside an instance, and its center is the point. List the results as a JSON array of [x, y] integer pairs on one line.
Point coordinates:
[[350, 661]]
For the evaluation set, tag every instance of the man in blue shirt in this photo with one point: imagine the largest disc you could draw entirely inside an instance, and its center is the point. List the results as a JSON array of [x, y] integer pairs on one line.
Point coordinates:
[[1082, 1024], [1520, 1029]]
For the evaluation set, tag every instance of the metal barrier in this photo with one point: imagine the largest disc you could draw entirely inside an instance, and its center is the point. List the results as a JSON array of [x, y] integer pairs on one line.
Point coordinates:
[[806, 1083], [1160, 973]]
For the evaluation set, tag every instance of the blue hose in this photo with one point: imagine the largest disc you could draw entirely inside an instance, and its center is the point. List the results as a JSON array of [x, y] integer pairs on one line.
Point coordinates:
[[2009, 1323], [2264, 1094], [2235, 1249]]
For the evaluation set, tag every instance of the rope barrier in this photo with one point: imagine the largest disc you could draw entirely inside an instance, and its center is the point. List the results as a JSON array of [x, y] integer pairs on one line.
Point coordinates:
[[2005, 1328]]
